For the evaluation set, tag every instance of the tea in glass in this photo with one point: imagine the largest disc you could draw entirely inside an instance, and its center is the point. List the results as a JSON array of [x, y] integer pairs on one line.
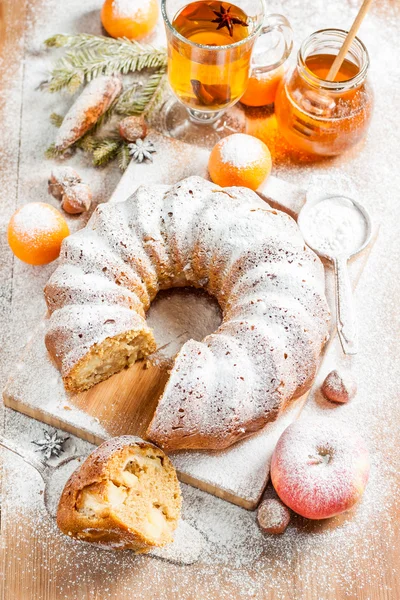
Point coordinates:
[[210, 79], [210, 47]]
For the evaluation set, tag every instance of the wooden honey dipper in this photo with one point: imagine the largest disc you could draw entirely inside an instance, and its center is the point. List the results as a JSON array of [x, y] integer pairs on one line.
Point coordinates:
[[319, 100], [337, 63]]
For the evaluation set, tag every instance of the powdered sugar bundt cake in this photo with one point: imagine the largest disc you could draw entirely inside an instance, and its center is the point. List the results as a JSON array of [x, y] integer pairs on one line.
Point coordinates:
[[253, 259]]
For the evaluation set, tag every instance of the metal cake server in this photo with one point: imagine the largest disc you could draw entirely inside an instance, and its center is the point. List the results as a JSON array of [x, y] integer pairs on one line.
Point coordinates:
[[188, 541]]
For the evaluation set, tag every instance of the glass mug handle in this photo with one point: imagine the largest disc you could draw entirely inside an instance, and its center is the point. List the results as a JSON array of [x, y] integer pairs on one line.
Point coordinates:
[[280, 24]]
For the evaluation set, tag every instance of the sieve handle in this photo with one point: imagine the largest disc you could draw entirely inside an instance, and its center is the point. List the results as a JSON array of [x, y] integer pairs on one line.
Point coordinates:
[[345, 313]]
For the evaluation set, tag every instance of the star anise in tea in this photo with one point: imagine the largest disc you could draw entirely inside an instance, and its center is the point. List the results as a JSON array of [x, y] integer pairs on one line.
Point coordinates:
[[226, 19]]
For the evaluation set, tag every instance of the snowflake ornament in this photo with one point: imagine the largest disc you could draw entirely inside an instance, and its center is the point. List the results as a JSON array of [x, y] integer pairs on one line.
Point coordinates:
[[141, 150], [51, 445]]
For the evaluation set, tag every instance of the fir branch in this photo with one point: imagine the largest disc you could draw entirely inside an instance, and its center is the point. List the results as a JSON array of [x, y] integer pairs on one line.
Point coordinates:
[[125, 100], [56, 119], [90, 56], [101, 43], [137, 98], [87, 143], [104, 119], [56, 41], [64, 76], [124, 157], [158, 98], [81, 40], [106, 150], [51, 152]]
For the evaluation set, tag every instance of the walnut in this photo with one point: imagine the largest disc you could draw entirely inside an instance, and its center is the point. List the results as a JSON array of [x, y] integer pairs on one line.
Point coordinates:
[[133, 128], [76, 199], [60, 178], [273, 516], [339, 387]]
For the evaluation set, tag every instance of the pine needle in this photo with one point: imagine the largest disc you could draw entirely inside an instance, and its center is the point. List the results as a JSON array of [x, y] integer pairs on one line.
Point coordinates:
[[136, 99], [158, 98], [90, 56], [123, 104], [106, 150], [124, 157], [51, 152], [87, 143], [56, 119], [56, 41]]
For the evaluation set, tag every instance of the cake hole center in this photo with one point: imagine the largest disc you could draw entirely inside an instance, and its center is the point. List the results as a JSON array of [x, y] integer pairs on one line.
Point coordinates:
[[181, 314]]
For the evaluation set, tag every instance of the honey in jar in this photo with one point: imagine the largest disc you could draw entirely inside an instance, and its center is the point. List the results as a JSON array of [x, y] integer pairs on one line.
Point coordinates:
[[320, 117]]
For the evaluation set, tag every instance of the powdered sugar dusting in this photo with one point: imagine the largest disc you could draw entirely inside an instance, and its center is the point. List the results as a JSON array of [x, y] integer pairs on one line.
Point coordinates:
[[241, 150], [258, 370], [320, 467], [339, 386], [56, 483], [273, 514], [33, 219], [171, 318], [94, 100], [334, 226], [74, 329], [130, 9], [349, 556]]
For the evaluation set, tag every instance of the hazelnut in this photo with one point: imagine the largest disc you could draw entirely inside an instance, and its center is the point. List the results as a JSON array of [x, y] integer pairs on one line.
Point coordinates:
[[133, 128], [76, 199], [339, 387], [60, 179], [273, 516]]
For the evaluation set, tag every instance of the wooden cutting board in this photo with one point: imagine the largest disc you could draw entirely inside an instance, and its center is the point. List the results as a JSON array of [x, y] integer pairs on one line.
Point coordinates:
[[125, 403]]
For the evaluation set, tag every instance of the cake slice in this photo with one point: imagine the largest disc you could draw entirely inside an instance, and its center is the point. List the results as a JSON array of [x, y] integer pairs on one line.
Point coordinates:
[[89, 343], [125, 495]]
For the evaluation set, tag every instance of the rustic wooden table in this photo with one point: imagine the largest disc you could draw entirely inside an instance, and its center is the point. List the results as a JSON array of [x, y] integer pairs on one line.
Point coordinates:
[[356, 557]]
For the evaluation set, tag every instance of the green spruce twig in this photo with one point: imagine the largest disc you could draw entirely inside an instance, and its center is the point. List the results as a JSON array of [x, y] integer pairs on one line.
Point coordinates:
[[87, 143], [122, 106], [157, 100], [56, 119], [51, 152], [124, 157], [87, 57], [90, 56], [106, 150], [136, 99]]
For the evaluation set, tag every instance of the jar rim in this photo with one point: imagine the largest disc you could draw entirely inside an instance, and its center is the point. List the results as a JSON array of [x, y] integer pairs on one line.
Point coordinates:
[[313, 79]]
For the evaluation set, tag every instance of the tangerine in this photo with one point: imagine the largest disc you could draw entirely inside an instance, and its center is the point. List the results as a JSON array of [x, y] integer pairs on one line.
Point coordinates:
[[240, 159], [35, 233], [132, 19], [261, 89]]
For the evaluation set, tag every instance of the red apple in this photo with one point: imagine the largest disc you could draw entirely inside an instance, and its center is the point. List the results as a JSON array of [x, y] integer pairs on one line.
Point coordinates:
[[319, 467]]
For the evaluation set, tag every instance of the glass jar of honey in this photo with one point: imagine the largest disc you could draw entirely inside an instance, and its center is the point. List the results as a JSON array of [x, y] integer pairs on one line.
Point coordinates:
[[320, 117]]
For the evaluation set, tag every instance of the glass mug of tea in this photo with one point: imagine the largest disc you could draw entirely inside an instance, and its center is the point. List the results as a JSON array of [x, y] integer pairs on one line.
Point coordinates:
[[210, 46]]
